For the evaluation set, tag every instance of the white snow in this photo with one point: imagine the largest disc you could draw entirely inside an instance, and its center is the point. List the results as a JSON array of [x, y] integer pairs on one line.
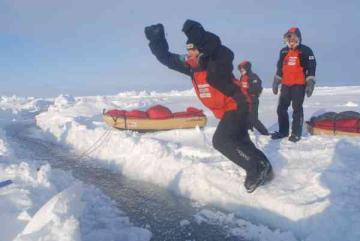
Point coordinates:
[[242, 228], [43, 203], [57, 219], [314, 196]]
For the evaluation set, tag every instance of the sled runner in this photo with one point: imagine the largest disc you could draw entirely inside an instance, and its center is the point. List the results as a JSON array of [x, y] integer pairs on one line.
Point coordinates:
[[345, 123], [5, 183], [156, 118]]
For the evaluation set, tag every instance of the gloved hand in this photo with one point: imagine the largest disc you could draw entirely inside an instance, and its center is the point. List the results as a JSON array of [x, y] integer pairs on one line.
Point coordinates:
[[276, 83], [310, 85], [155, 32], [242, 104]]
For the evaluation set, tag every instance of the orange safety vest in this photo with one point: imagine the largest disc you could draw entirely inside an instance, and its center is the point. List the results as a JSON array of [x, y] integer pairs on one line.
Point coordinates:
[[212, 98], [292, 71]]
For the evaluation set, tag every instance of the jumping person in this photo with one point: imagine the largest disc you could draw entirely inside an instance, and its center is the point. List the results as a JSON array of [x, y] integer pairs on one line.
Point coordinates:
[[251, 85], [209, 64], [296, 74]]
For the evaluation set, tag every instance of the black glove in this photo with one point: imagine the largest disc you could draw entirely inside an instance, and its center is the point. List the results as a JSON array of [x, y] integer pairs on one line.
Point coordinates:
[[194, 32], [310, 85], [155, 32], [276, 83], [242, 104]]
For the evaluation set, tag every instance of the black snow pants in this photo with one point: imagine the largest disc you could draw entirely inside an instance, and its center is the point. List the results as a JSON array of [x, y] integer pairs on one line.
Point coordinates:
[[254, 117], [231, 138], [295, 95]]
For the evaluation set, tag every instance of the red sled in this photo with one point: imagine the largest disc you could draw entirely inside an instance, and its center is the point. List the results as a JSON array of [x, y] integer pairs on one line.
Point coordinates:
[[345, 123], [156, 118]]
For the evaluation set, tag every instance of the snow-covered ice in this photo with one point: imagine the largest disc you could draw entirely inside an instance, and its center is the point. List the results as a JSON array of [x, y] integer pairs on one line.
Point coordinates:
[[314, 196], [43, 203], [315, 192], [240, 227]]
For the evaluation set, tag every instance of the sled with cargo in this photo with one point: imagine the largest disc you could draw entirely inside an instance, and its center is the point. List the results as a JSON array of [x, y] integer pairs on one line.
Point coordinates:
[[345, 123], [156, 118]]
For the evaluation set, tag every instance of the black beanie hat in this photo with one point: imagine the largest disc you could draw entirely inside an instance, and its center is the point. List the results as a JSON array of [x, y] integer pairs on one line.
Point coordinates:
[[194, 31]]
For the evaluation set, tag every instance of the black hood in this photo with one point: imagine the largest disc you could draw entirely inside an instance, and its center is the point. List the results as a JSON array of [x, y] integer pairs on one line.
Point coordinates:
[[206, 42]]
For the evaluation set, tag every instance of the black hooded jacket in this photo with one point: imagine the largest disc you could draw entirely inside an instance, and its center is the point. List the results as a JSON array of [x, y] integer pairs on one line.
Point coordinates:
[[307, 60], [254, 81], [255, 84], [217, 59]]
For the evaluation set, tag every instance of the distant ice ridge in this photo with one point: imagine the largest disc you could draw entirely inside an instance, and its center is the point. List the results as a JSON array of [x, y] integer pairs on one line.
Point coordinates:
[[351, 104], [139, 94]]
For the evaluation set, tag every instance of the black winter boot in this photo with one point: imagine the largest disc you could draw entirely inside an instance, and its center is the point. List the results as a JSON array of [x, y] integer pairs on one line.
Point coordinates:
[[259, 177], [278, 135], [294, 138]]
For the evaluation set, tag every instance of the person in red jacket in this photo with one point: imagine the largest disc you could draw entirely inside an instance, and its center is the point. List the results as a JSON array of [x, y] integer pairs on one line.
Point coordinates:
[[296, 74], [209, 64], [251, 86]]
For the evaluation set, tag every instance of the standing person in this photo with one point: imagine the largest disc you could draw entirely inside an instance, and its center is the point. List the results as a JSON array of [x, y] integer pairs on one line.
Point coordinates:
[[296, 74], [209, 64], [250, 84]]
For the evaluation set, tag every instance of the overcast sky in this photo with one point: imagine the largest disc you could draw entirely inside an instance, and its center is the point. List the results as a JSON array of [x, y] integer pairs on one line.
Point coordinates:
[[98, 47]]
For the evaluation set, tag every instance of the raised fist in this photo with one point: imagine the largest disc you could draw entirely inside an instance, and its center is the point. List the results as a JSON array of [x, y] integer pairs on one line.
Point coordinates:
[[155, 32]]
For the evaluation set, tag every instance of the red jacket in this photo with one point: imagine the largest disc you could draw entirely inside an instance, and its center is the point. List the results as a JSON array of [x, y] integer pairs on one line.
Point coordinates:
[[212, 98]]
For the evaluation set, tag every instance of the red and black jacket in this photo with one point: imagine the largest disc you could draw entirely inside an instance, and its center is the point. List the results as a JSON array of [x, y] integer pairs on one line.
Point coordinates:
[[250, 84], [294, 66], [213, 80]]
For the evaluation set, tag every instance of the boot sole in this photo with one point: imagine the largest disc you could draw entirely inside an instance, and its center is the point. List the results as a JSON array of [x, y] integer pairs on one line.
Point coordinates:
[[265, 178], [294, 141], [278, 137]]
